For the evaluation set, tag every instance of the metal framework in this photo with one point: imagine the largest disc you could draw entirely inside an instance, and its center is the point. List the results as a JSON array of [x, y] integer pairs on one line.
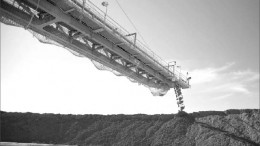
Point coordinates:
[[79, 26]]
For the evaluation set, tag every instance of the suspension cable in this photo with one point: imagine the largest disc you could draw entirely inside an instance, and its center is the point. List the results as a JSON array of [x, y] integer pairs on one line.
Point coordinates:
[[132, 23]]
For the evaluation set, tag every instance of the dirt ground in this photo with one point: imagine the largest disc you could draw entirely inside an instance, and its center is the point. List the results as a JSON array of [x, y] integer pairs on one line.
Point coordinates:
[[227, 128]]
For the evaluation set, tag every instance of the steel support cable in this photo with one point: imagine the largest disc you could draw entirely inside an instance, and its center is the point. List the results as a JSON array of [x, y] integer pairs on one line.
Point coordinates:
[[153, 54], [33, 15], [131, 22]]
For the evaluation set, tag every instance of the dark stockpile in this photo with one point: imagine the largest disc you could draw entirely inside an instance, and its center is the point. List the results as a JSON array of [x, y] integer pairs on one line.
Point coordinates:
[[232, 127]]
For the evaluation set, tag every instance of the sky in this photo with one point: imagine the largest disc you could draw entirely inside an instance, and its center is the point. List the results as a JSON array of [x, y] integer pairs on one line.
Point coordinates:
[[216, 41]]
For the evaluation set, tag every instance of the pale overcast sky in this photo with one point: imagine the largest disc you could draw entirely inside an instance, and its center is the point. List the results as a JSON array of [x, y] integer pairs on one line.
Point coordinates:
[[216, 41]]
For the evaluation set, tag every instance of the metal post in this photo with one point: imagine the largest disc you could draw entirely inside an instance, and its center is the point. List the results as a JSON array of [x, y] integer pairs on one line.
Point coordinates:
[[105, 15], [105, 4], [135, 39], [171, 65], [179, 71]]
